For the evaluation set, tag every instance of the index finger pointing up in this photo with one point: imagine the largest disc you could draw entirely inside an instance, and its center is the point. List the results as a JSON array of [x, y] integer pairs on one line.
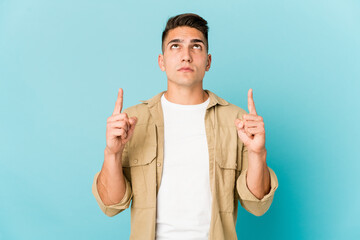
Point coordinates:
[[119, 102], [251, 104]]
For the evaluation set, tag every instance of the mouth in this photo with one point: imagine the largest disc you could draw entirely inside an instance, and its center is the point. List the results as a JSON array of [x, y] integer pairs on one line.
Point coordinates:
[[185, 69]]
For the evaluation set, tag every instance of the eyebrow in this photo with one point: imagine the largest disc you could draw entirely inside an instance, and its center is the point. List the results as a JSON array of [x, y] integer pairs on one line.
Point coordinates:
[[192, 41]]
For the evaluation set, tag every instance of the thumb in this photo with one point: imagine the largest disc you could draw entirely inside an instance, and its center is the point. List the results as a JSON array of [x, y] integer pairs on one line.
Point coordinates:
[[243, 135], [239, 124], [132, 121]]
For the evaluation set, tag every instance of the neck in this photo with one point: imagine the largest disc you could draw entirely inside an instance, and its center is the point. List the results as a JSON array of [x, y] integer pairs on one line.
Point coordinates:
[[186, 96]]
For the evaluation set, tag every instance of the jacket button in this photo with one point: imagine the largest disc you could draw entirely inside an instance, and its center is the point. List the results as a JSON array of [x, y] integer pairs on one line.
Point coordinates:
[[158, 164], [135, 161]]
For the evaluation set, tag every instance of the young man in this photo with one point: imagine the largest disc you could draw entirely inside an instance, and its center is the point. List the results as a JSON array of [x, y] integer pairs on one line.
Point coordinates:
[[186, 156]]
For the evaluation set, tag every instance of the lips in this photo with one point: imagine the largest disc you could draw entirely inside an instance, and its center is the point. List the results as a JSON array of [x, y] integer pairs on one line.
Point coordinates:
[[185, 69]]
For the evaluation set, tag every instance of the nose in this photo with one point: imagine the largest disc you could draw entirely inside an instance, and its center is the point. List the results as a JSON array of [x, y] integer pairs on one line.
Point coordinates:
[[186, 56]]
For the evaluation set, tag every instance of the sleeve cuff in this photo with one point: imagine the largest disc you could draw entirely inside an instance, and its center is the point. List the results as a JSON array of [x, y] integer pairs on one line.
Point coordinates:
[[111, 210], [246, 195]]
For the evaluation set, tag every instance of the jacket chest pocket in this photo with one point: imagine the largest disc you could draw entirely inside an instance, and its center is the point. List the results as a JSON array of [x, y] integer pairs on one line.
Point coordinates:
[[139, 166], [226, 158]]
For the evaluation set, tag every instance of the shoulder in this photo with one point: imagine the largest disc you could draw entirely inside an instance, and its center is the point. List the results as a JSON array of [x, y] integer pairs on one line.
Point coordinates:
[[140, 108], [141, 111], [226, 108], [233, 109], [227, 114]]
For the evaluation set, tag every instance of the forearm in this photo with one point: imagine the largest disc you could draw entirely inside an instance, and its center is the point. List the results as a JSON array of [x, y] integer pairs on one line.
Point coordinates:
[[111, 182], [258, 175]]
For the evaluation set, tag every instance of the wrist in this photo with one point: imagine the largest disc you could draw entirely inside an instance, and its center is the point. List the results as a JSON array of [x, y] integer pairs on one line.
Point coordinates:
[[111, 155], [261, 153], [259, 157], [111, 152]]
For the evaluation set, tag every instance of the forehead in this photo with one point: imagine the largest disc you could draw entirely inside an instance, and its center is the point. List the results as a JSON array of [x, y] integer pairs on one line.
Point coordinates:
[[184, 32]]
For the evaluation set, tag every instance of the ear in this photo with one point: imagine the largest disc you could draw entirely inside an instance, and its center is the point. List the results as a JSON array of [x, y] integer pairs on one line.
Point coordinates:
[[208, 64], [161, 62]]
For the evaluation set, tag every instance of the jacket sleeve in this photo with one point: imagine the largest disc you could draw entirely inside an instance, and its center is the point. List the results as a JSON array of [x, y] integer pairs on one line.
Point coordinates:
[[248, 200], [112, 210]]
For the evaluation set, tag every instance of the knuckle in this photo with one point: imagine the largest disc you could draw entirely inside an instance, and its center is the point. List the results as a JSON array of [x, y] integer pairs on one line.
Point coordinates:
[[124, 125], [123, 133]]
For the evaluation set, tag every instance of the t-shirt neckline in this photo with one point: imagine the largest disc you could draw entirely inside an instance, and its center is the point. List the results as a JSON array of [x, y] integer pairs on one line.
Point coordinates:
[[182, 106]]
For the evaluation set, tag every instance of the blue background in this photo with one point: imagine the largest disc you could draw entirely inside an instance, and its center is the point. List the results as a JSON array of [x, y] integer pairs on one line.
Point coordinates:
[[62, 62]]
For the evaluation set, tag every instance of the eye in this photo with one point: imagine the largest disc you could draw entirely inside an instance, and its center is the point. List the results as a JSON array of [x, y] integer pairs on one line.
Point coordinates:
[[198, 46], [174, 45]]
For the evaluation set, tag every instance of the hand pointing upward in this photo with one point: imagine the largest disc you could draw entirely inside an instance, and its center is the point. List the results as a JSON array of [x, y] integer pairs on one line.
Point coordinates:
[[119, 128], [251, 129]]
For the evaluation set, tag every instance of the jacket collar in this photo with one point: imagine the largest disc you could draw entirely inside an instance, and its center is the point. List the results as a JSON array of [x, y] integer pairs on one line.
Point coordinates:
[[214, 99]]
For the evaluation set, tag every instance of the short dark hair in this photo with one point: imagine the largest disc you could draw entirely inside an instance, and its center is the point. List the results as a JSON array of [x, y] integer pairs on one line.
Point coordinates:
[[189, 20]]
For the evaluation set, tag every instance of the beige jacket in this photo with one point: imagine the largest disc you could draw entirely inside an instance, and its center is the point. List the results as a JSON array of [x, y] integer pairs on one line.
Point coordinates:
[[142, 162]]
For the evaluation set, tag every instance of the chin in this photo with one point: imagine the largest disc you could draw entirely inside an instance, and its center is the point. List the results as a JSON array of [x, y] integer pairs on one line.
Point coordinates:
[[186, 82]]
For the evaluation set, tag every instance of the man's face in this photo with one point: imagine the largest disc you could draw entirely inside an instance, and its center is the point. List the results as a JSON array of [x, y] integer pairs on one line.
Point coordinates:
[[184, 47]]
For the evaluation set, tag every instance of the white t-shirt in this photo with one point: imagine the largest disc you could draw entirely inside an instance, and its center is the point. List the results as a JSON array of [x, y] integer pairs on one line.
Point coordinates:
[[184, 198]]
